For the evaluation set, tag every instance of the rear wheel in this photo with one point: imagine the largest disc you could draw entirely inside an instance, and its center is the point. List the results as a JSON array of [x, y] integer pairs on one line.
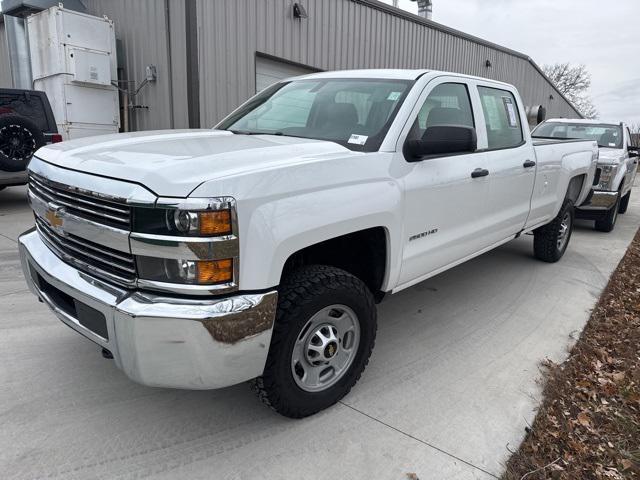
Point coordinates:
[[323, 336], [609, 221], [624, 203], [19, 140], [550, 241]]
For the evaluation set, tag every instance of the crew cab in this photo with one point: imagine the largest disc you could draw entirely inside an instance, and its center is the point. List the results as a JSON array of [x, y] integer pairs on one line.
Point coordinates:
[[257, 250], [617, 165]]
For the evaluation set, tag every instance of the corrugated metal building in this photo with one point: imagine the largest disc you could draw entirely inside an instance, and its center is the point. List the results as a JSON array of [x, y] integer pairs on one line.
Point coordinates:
[[5, 72], [212, 55]]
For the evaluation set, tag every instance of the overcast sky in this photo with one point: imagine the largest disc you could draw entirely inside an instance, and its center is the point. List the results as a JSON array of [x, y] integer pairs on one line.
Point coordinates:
[[605, 36]]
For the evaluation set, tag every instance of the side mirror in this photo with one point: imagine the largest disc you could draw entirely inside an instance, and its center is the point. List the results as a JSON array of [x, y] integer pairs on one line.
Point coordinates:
[[633, 151], [442, 140]]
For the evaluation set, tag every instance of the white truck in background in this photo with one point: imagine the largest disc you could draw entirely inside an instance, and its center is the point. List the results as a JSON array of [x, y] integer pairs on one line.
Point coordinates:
[[257, 250], [617, 165]]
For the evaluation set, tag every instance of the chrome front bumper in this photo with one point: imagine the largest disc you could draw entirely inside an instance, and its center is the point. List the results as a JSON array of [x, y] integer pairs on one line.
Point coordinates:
[[599, 200], [156, 340]]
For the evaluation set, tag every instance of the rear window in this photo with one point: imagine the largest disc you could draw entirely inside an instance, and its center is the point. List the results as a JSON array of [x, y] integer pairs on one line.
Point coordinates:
[[26, 105]]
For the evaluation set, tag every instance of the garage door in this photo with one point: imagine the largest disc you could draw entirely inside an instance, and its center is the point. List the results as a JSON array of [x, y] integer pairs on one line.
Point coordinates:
[[270, 71]]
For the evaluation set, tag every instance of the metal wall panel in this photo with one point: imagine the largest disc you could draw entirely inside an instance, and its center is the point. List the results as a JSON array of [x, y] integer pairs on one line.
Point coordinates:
[[343, 34], [143, 27], [5, 67]]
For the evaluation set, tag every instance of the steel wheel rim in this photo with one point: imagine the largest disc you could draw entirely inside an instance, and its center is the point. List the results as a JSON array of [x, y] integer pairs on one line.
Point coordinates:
[[565, 230], [17, 142], [325, 348]]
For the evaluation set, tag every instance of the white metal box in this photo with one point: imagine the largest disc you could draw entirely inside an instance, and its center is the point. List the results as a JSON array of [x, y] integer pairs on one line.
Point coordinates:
[[73, 59], [89, 67], [55, 34]]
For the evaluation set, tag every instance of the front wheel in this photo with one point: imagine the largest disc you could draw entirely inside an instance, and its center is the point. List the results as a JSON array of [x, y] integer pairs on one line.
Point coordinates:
[[551, 240], [322, 339]]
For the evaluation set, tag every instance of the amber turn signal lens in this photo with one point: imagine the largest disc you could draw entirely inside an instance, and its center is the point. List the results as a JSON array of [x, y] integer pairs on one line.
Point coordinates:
[[215, 271], [215, 223]]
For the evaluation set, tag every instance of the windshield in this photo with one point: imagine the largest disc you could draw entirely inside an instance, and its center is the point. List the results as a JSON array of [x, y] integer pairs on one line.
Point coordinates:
[[608, 136], [355, 113]]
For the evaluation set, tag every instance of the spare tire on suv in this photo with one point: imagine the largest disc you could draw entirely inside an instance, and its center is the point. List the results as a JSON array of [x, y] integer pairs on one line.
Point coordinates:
[[19, 140]]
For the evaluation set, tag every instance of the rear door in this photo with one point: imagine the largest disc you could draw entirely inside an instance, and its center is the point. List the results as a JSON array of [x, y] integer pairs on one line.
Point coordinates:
[[510, 159], [444, 207]]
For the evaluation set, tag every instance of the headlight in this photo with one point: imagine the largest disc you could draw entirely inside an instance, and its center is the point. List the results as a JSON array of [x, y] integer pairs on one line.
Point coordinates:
[[192, 272], [193, 217], [607, 173], [190, 242]]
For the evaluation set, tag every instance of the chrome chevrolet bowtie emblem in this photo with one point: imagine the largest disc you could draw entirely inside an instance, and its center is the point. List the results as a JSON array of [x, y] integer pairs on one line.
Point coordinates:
[[55, 217]]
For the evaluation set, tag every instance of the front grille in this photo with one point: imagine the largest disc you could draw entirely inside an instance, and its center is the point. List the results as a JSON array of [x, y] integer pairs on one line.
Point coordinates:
[[82, 204], [104, 261]]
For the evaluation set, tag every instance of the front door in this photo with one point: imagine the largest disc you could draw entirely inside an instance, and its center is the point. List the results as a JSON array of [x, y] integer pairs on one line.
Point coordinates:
[[444, 205]]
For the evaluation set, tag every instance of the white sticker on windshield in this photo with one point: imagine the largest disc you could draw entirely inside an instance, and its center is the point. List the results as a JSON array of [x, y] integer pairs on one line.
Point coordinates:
[[511, 111], [357, 139], [612, 144], [393, 96]]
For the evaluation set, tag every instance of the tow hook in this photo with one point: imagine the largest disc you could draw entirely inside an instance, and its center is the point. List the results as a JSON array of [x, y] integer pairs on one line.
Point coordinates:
[[107, 354]]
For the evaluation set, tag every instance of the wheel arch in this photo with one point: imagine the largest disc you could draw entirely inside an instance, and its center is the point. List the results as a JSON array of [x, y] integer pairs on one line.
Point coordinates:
[[363, 253]]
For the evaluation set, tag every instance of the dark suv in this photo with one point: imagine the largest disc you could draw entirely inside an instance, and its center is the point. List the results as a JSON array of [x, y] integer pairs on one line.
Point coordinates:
[[26, 124]]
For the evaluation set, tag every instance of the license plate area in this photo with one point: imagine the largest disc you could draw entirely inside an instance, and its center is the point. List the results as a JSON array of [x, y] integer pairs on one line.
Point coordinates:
[[88, 317]]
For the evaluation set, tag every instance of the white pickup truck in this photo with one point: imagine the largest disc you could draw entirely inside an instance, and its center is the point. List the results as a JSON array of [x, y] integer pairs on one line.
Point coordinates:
[[257, 250], [616, 171]]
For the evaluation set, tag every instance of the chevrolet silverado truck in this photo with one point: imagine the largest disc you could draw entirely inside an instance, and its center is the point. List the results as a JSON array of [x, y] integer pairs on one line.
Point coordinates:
[[616, 170], [257, 250]]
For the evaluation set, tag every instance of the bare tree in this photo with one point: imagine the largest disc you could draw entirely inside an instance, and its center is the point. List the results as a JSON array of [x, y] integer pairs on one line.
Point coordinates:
[[574, 82]]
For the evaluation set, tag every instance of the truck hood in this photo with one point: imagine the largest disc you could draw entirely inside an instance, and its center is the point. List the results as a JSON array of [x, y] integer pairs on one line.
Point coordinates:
[[174, 162], [610, 156]]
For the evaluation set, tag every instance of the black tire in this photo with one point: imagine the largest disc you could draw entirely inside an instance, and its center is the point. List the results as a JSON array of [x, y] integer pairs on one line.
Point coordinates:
[[624, 203], [609, 221], [19, 140], [304, 293], [548, 245]]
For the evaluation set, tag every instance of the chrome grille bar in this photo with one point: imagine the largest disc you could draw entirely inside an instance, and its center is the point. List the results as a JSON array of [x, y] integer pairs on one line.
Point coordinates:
[[91, 207], [112, 264]]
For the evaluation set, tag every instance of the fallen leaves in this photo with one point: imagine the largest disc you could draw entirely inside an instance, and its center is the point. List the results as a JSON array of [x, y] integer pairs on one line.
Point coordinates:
[[583, 419], [589, 421]]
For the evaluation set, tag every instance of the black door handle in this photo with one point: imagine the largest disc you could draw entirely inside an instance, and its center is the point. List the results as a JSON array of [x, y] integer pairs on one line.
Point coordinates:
[[529, 164], [479, 172]]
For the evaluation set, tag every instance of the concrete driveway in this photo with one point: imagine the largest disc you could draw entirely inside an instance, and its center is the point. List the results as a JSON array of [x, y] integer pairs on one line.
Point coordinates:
[[451, 386]]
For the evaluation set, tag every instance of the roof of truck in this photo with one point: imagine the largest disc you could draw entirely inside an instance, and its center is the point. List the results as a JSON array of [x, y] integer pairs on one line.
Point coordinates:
[[389, 73], [586, 121]]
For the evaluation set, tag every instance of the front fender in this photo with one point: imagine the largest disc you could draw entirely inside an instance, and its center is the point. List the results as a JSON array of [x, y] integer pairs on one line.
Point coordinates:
[[274, 230], [573, 165]]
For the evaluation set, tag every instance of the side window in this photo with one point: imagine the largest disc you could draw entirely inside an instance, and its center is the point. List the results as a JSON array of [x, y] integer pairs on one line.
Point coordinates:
[[447, 104], [501, 117]]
